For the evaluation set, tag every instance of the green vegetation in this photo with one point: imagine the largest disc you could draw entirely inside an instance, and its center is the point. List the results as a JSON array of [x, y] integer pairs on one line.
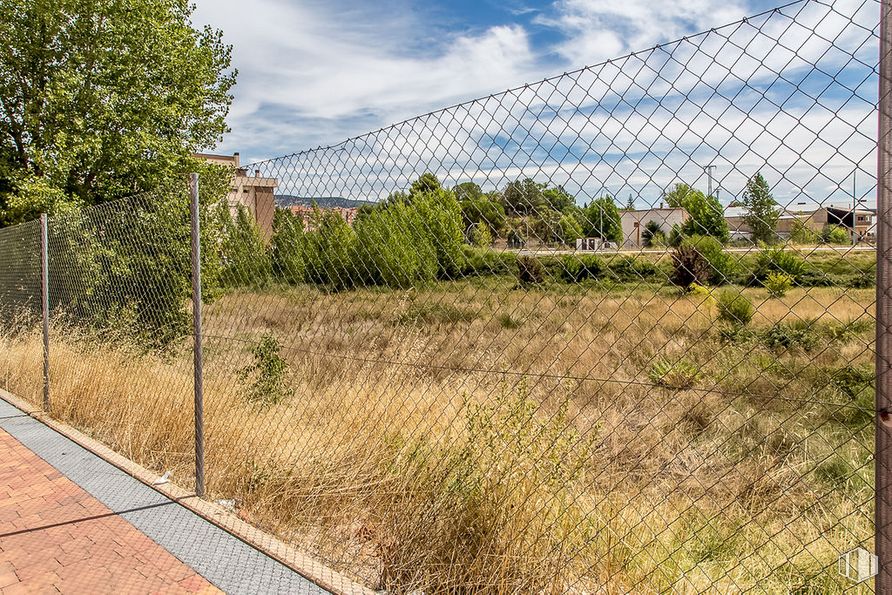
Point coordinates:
[[701, 260], [83, 119], [266, 378], [777, 284], [706, 215], [762, 210], [735, 308]]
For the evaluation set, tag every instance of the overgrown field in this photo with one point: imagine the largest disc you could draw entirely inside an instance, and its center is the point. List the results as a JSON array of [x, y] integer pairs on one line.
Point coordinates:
[[484, 434]]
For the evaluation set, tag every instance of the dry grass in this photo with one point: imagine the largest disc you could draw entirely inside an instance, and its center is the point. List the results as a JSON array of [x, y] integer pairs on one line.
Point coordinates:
[[429, 444]]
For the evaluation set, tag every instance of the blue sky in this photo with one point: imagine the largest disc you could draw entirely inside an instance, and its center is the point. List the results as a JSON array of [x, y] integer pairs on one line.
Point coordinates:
[[314, 72], [317, 55]]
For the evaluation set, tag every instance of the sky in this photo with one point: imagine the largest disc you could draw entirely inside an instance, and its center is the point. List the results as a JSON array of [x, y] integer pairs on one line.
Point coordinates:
[[313, 73]]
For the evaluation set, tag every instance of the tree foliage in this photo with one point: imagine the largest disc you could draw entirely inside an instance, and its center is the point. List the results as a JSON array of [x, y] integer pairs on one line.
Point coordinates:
[[523, 197], [762, 212], [601, 219], [705, 214], [103, 99]]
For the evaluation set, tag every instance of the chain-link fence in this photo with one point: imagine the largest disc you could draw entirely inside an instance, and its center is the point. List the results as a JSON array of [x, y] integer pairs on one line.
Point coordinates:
[[609, 332]]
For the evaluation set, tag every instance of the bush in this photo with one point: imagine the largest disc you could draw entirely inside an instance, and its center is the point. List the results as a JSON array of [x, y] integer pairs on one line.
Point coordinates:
[[576, 268], [440, 219], [800, 233], [246, 262], [629, 269], [485, 261], [835, 234], [702, 260], [786, 335], [266, 377], [777, 284], [394, 249], [331, 252], [653, 236], [680, 375], [530, 271], [287, 248], [735, 308], [480, 235], [778, 260]]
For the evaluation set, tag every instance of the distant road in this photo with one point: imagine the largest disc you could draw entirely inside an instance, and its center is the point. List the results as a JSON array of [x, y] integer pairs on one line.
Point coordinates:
[[840, 250]]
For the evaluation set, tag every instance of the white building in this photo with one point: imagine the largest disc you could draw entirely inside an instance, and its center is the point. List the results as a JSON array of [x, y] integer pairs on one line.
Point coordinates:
[[634, 222]]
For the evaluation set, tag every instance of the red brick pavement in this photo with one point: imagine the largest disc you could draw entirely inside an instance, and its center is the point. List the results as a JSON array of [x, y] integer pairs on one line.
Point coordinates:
[[55, 537]]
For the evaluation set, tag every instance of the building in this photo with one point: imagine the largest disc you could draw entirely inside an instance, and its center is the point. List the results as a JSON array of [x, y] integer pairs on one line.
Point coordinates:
[[634, 222], [816, 219], [253, 192]]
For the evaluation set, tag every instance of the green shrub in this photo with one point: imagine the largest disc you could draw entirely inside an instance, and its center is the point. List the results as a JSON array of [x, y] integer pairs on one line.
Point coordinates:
[[702, 260], [787, 335], [394, 249], [778, 260], [735, 308], [777, 284], [653, 235], [509, 321], [579, 267], [287, 248], [530, 271], [331, 254], [802, 234], [440, 219], [266, 378], [835, 234], [480, 235], [486, 261], [628, 269], [246, 262], [853, 380], [679, 375]]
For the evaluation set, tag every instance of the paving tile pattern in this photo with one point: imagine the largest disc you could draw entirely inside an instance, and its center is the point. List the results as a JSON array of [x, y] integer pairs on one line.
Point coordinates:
[[55, 537]]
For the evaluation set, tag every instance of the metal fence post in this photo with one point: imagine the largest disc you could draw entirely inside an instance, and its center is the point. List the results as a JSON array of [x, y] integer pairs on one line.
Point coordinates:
[[883, 452], [196, 324], [45, 308]]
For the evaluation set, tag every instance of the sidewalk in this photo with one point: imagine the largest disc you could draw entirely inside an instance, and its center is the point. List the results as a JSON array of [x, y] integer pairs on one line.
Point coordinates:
[[71, 522]]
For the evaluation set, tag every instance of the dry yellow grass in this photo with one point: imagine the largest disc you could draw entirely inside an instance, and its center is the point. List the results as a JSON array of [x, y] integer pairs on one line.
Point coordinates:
[[471, 436]]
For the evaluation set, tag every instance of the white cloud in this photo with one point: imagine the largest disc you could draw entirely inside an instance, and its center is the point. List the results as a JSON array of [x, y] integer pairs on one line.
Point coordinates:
[[314, 64], [601, 29], [313, 74]]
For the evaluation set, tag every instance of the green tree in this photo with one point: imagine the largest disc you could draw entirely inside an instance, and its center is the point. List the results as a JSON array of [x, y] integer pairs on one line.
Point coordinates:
[[600, 219], [653, 235], [287, 247], [427, 182], [523, 197], [103, 99], [558, 199], [483, 211], [569, 230], [246, 262], [705, 214], [467, 191], [762, 212]]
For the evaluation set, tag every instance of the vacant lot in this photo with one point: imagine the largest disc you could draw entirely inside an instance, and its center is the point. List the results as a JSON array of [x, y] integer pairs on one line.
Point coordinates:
[[478, 435]]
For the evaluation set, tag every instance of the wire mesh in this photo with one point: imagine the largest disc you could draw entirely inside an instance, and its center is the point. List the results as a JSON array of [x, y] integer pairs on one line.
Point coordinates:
[[610, 331]]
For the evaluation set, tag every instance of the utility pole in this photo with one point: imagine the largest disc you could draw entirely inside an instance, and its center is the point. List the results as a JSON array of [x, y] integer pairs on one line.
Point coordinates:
[[709, 169]]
